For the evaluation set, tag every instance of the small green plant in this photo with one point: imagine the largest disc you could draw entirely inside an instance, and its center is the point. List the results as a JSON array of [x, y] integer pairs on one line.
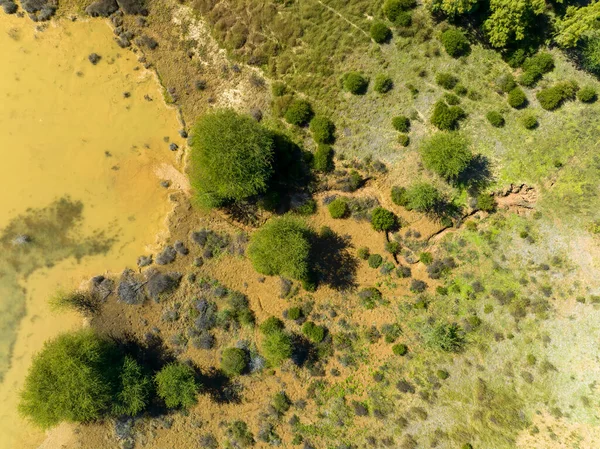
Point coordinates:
[[587, 94], [451, 99], [278, 89], [423, 197], [239, 435], [393, 247], [294, 313], [234, 361], [425, 258], [338, 208], [442, 374], [375, 260], [455, 43], [323, 159], [403, 139], [313, 332], [399, 196], [404, 19], [281, 402], [81, 302], [380, 33], [446, 80], [529, 121], [299, 112], [447, 337], [370, 297], [363, 253], [271, 325], [401, 123], [553, 97], [506, 83], [382, 84], [355, 83], [393, 8], [446, 117], [176, 385], [135, 387], [383, 220], [322, 129], [309, 207], [495, 119], [486, 202], [277, 347], [460, 90], [517, 98], [400, 349]]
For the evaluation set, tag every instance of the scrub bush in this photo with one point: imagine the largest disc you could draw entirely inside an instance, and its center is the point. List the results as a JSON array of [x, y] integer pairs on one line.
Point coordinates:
[[355, 83], [455, 43], [322, 129], [383, 220], [299, 113], [380, 32], [401, 123], [323, 159], [338, 208], [234, 361], [447, 154], [176, 385], [495, 119]]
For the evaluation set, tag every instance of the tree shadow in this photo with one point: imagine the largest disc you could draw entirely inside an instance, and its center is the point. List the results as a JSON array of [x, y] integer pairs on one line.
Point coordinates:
[[477, 176], [332, 263], [219, 387]]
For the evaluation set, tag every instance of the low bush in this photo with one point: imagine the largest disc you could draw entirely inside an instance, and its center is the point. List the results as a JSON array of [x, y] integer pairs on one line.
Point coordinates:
[[587, 94], [486, 202], [323, 159], [322, 129], [451, 99], [399, 196], [278, 89], [338, 208], [447, 337], [447, 154], [375, 260], [553, 97], [277, 347], [281, 402], [401, 123], [423, 197], [382, 84], [455, 43], [506, 83], [446, 80], [294, 313], [355, 83], [380, 32], [393, 8], [363, 253], [176, 385], [541, 63], [234, 361], [271, 325], [403, 139], [529, 121], [400, 349], [446, 117], [239, 435], [370, 297], [393, 247], [403, 19], [403, 272], [417, 286], [383, 220], [517, 98], [590, 54], [299, 112], [313, 332], [425, 258], [495, 119], [309, 207]]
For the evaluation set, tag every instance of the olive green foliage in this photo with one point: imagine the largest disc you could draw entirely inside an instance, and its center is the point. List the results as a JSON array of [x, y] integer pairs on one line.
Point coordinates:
[[510, 22], [446, 117], [375, 260], [553, 97], [277, 347], [323, 159], [403, 139], [382, 84], [234, 361], [403, 19], [401, 123], [451, 99], [394, 8], [322, 129], [399, 196], [446, 153], [370, 297], [239, 434], [338, 208], [446, 80], [380, 32], [69, 380], [400, 349], [535, 67], [495, 119], [383, 220], [299, 112], [281, 247], [529, 121], [271, 325], [447, 337], [455, 43], [393, 247], [423, 197], [313, 332], [231, 157], [281, 402], [355, 83], [278, 89], [587, 94], [517, 98], [486, 202], [134, 389], [176, 385], [363, 253], [577, 23], [309, 207], [590, 55], [506, 82]]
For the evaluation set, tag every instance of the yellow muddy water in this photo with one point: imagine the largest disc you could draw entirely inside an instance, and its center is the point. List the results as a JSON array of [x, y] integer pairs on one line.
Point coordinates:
[[78, 170]]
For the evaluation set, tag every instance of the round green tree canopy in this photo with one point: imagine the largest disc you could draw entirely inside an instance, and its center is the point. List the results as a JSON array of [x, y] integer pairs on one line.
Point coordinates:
[[176, 385], [231, 157], [281, 247], [447, 154], [234, 361]]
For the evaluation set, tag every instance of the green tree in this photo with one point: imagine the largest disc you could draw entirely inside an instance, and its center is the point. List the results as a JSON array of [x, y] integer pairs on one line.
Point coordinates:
[[380, 32], [355, 83], [234, 361], [323, 159], [299, 112], [277, 347], [383, 220], [453, 7], [322, 129], [281, 247], [69, 380], [509, 20], [576, 23], [455, 43], [447, 154], [231, 157], [423, 197], [135, 387], [176, 385]]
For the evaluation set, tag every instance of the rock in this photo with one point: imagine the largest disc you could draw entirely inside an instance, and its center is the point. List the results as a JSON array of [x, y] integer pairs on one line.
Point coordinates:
[[173, 147], [180, 248], [21, 240], [166, 184], [9, 7], [133, 7], [102, 8], [183, 133], [144, 261], [94, 58], [126, 94]]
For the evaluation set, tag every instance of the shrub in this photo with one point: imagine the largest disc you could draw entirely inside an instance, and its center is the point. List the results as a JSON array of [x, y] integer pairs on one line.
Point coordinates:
[[401, 123], [447, 154], [271, 325], [355, 83], [313, 332], [134, 389], [451, 99], [425, 258], [375, 260], [447, 337], [399, 196], [587, 94], [495, 119], [281, 402], [400, 349], [506, 82], [234, 361], [442, 374], [529, 121], [486, 202], [240, 435], [338, 208], [380, 33], [403, 19], [590, 55], [78, 301], [323, 159], [363, 253], [176, 385], [446, 80], [294, 313], [370, 297], [417, 286], [281, 247], [529, 79], [382, 84], [403, 272], [299, 112], [393, 247], [540, 63], [278, 89], [277, 347], [403, 140], [455, 43], [461, 90], [517, 98], [309, 207], [446, 117], [383, 220], [423, 197], [393, 8], [68, 380], [552, 97], [322, 129], [231, 157]]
